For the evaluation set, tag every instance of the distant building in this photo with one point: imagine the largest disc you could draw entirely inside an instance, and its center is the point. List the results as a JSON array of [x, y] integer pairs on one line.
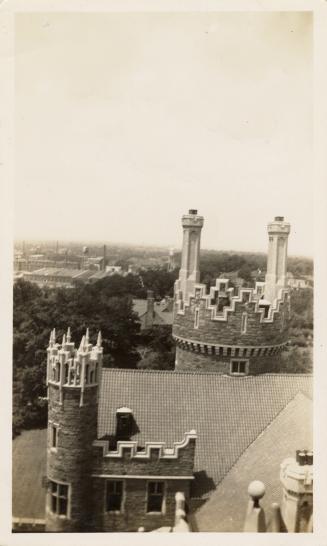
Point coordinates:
[[152, 313], [295, 283], [52, 277]]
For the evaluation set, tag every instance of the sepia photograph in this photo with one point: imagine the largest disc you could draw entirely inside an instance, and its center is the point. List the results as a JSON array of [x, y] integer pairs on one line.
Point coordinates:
[[163, 272]]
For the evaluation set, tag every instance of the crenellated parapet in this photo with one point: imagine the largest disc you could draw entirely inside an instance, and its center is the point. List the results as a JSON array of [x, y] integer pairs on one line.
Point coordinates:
[[157, 450], [221, 318]]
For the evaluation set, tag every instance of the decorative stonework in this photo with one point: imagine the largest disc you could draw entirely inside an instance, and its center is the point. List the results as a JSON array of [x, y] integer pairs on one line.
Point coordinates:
[[160, 449]]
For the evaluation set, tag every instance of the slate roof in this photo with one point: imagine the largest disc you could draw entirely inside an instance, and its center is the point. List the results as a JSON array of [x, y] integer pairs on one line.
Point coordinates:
[[161, 313], [140, 307], [226, 508], [228, 413]]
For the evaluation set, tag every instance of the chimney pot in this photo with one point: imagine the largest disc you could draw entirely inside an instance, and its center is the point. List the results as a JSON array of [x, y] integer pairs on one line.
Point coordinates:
[[192, 211], [279, 218]]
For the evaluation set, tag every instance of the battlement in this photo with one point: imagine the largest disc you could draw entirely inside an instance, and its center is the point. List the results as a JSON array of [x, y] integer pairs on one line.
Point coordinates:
[[69, 367], [157, 450], [222, 303]]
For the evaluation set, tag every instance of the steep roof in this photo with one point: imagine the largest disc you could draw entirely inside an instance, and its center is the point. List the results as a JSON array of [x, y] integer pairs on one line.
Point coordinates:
[[228, 413], [140, 307], [289, 431]]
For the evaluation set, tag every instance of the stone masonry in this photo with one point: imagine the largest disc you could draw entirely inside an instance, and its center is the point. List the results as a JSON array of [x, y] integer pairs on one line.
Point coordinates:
[[214, 330]]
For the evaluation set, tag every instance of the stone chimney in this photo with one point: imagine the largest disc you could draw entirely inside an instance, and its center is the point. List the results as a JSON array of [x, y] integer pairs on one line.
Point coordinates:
[[276, 277], [189, 273]]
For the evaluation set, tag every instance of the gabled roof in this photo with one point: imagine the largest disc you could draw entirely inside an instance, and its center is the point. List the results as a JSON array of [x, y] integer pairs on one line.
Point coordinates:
[[140, 307], [289, 431], [228, 413]]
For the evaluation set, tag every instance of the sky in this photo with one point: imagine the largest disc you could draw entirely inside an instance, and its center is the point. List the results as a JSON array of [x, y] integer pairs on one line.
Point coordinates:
[[124, 121]]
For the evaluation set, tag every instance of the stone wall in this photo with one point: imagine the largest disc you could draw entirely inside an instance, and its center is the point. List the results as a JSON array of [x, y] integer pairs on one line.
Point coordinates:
[[71, 461], [228, 332], [134, 513], [191, 361], [175, 472]]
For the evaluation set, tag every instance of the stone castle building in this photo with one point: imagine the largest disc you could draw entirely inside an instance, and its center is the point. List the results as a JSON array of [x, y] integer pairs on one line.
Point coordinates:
[[227, 332], [130, 449]]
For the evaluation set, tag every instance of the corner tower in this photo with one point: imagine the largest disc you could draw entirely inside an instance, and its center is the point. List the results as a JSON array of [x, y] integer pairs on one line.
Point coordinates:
[[231, 332], [73, 379]]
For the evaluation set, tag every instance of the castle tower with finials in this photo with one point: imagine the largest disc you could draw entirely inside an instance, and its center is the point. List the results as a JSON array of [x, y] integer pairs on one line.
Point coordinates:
[[73, 378], [231, 333]]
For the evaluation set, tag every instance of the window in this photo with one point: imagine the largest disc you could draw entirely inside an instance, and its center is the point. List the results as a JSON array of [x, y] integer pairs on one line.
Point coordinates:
[[155, 496], [59, 498], [239, 367], [54, 436], [196, 320], [114, 496], [244, 323]]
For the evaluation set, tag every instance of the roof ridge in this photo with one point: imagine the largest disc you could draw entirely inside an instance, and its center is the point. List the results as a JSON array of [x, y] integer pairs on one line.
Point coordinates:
[[202, 373], [260, 434]]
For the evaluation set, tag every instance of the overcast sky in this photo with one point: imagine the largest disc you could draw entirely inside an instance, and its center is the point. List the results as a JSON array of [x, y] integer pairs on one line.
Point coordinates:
[[125, 121]]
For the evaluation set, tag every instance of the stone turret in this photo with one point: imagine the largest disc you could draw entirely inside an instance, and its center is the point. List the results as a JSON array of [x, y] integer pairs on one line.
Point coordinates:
[[297, 479], [229, 331], [73, 379]]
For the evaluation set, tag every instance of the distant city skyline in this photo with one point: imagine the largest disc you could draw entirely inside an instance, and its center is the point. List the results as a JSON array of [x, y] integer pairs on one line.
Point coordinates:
[[117, 138]]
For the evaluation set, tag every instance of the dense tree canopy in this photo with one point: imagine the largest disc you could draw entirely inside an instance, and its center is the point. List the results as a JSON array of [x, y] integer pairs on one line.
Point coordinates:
[[37, 311]]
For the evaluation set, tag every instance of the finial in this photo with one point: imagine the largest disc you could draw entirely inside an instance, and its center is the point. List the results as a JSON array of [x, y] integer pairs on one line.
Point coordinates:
[[68, 337], [54, 335], [82, 345], [63, 341], [87, 335], [51, 337], [99, 340], [256, 491], [275, 524]]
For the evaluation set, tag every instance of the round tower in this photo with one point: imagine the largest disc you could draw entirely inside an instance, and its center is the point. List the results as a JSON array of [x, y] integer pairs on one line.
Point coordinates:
[[230, 332], [73, 379]]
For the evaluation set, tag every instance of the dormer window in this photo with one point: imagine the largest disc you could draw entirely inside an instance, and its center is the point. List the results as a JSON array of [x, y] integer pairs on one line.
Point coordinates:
[[124, 422]]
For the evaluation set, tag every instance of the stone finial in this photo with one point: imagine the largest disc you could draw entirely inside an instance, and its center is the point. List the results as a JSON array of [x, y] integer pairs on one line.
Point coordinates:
[[99, 340], [275, 524], [82, 345], [63, 340], [54, 335], [255, 521], [51, 338], [68, 336], [256, 491], [87, 336]]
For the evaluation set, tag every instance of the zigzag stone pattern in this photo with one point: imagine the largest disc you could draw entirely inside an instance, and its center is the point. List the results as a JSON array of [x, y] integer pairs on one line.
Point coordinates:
[[211, 329]]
